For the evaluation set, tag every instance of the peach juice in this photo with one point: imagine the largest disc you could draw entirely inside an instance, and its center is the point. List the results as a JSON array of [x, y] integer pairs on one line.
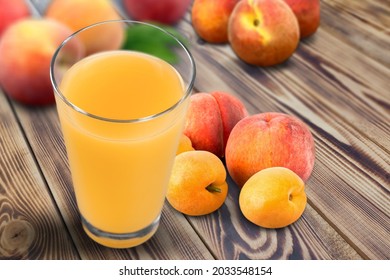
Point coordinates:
[[122, 115]]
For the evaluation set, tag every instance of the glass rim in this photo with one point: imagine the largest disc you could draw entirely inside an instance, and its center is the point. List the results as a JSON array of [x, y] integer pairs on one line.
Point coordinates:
[[188, 87]]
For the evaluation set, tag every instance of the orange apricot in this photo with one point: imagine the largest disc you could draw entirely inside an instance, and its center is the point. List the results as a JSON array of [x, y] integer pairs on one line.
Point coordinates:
[[197, 184], [185, 145], [273, 198]]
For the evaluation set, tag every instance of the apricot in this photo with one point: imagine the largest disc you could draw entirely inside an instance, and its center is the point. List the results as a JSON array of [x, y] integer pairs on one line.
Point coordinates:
[[273, 198], [197, 185], [78, 14], [185, 145], [269, 140], [210, 119]]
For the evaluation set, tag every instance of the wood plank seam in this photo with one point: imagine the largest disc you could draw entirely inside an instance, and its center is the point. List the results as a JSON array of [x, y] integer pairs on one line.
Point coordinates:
[[39, 167]]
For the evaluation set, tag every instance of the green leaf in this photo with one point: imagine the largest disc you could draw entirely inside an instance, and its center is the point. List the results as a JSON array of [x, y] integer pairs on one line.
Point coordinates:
[[150, 40]]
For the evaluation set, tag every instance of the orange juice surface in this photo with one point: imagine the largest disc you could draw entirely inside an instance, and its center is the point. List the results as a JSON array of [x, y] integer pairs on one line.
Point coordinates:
[[120, 169]]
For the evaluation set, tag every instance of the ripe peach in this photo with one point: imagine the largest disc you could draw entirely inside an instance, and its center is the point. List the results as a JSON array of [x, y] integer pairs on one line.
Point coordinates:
[[197, 185], [210, 19], [11, 11], [81, 13], [210, 118], [308, 15], [263, 32], [273, 198], [26, 49], [269, 140], [162, 11]]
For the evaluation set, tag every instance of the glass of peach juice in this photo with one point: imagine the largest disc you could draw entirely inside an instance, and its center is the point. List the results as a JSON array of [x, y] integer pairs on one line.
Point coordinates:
[[122, 114]]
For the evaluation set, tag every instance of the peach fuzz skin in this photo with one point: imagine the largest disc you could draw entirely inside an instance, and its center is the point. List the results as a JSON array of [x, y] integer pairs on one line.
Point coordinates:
[[308, 15], [210, 19], [263, 32], [26, 50], [12, 11], [78, 14], [210, 119], [269, 140]]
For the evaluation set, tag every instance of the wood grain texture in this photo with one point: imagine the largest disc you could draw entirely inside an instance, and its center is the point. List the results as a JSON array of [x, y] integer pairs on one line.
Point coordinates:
[[365, 25], [28, 214], [230, 236], [43, 132], [344, 98], [336, 82]]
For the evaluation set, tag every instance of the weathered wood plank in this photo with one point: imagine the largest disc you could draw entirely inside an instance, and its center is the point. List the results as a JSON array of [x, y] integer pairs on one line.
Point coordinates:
[[365, 25], [46, 138], [231, 236], [43, 132], [302, 87], [343, 95], [373, 13], [28, 214], [38, 7], [344, 99]]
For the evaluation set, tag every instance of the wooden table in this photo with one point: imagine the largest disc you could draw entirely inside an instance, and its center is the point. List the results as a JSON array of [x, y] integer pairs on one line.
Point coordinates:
[[337, 82]]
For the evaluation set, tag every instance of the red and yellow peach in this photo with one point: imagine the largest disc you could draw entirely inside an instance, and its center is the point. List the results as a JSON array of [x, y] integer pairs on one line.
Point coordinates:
[[26, 49], [308, 15], [269, 140], [263, 32], [78, 14], [12, 11], [210, 119], [210, 19]]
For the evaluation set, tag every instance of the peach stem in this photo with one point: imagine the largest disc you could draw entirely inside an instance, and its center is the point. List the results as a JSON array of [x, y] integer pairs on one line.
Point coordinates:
[[213, 189]]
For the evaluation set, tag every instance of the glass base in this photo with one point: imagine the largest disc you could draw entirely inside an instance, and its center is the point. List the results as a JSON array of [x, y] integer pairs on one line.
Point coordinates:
[[120, 240]]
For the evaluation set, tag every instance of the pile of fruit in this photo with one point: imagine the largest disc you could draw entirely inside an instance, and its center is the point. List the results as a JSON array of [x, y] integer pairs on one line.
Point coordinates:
[[260, 32], [268, 155], [27, 43]]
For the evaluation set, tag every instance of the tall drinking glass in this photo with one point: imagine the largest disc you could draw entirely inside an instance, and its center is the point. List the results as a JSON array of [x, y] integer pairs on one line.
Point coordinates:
[[122, 114]]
